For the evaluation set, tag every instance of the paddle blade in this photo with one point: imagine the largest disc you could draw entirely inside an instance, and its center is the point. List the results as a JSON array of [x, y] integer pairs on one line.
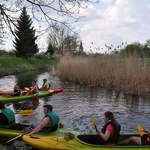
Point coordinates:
[[26, 88], [28, 112], [93, 122], [140, 130]]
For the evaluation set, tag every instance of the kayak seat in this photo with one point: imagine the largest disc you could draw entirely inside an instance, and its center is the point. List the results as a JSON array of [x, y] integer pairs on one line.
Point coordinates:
[[91, 139]]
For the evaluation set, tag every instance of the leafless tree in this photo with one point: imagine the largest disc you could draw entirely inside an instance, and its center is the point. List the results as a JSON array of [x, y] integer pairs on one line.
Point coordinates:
[[62, 39], [44, 11]]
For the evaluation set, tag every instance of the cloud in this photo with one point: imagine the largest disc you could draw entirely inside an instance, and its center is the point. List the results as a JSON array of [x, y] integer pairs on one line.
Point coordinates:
[[113, 22]]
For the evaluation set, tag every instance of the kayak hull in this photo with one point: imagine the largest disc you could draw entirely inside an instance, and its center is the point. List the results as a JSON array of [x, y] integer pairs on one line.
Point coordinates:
[[77, 143], [11, 133], [9, 92], [25, 97]]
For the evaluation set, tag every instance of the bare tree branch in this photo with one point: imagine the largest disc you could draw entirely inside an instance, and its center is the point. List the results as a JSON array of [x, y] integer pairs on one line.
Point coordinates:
[[65, 12]]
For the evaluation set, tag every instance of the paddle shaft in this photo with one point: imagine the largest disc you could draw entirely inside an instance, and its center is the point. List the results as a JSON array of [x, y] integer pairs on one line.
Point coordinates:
[[32, 94], [18, 136], [96, 128]]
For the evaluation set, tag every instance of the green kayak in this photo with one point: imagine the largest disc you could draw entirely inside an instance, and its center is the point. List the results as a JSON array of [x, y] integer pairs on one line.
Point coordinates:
[[5, 98], [78, 142], [11, 133]]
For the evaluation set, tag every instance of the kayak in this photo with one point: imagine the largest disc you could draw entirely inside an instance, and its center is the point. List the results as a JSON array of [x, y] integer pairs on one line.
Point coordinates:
[[6, 98], [9, 92], [11, 133], [57, 90], [78, 142]]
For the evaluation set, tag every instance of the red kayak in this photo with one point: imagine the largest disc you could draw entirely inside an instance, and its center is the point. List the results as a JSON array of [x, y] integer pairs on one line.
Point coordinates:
[[55, 90]]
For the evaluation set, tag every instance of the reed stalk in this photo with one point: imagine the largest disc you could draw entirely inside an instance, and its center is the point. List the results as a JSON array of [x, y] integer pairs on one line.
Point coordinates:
[[129, 75]]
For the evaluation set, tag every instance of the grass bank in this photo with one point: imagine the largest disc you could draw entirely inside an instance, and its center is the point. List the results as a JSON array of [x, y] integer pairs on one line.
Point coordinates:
[[127, 75], [13, 65]]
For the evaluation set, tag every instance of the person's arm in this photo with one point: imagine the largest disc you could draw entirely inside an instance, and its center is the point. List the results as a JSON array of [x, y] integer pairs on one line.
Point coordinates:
[[43, 124], [105, 136], [147, 131], [109, 130]]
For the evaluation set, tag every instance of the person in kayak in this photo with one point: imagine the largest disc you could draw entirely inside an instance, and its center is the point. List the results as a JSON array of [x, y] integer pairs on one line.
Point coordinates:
[[46, 85], [32, 90], [49, 122], [141, 141], [16, 91], [110, 133], [7, 117]]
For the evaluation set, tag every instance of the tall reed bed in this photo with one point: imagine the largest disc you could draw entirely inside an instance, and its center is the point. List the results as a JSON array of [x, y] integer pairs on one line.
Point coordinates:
[[129, 75]]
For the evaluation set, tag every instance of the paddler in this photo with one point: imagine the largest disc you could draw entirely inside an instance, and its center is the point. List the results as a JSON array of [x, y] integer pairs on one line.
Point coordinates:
[[49, 122]]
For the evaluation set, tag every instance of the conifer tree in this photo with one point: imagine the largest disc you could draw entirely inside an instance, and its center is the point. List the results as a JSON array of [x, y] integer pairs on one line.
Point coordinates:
[[50, 49], [25, 38]]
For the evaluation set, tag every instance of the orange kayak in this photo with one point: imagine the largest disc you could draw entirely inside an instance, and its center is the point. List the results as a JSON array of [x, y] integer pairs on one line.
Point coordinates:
[[55, 90]]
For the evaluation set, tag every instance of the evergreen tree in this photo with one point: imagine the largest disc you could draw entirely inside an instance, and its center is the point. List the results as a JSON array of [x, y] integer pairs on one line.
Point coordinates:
[[81, 47], [50, 49], [25, 38]]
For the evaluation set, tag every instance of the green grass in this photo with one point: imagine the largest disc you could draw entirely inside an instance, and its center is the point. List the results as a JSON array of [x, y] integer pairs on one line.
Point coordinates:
[[12, 65]]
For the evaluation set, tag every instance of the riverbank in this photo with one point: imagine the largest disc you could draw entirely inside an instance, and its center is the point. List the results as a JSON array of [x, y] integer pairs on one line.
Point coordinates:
[[13, 65], [127, 75]]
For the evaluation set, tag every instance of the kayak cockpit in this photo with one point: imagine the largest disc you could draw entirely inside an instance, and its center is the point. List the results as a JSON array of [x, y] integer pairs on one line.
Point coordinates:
[[94, 139]]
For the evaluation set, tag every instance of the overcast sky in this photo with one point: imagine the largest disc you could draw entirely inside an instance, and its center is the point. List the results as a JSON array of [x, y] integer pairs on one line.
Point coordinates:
[[112, 23]]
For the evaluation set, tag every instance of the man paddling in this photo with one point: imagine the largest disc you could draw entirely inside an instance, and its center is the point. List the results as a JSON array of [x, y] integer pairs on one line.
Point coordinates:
[[49, 122]]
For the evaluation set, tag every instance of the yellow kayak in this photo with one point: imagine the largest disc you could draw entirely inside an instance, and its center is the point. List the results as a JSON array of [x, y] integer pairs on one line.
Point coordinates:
[[78, 142]]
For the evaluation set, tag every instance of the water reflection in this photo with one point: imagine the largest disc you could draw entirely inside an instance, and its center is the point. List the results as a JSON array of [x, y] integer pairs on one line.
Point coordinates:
[[77, 104]]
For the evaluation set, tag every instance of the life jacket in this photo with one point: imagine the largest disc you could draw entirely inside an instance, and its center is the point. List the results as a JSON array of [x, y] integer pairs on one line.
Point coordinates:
[[54, 122], [116, 135], [10, 117], [16, 93], [34, 89], [44, 86]]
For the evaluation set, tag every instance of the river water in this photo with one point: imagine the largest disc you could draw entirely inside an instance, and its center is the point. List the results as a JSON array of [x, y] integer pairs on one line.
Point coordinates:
[[77, 104]]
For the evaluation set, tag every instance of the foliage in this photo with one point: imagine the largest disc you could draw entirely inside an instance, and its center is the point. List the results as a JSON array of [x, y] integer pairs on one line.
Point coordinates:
[[25, 38], [136, 50]]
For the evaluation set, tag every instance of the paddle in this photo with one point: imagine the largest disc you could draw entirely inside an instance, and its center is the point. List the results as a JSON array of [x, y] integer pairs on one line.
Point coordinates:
[[28, 112], [94, 124], [140, 129], [28, 90], [18, 137]]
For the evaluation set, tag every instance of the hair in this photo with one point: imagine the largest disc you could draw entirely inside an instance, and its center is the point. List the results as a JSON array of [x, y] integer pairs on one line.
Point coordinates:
[[49, 107], [44, 79], [109, 115]]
